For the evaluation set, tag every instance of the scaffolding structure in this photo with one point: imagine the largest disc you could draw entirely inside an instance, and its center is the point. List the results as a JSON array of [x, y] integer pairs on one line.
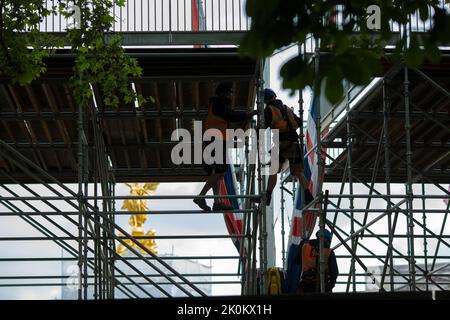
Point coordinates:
[[60, 163], [395, 132], [91, 211]]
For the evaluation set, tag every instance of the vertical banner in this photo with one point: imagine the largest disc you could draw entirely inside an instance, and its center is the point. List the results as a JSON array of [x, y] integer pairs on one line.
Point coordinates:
[[233, 220], [302, 226]]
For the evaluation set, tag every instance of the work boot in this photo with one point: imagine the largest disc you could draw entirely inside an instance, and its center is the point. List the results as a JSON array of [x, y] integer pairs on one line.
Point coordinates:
[[308, 197], [202, 204], [220, 206]]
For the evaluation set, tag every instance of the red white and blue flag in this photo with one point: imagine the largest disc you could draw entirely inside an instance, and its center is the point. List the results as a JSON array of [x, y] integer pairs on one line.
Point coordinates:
[[303, 226], [233, 220]]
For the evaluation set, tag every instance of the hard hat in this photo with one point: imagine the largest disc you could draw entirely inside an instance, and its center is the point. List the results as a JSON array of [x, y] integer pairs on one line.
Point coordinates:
[[326, 233], [268, 94]]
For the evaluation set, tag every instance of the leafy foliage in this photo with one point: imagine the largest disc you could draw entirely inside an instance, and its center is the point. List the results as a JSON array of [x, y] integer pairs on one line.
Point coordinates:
[[22, 46], [350, 56], [100, 59]]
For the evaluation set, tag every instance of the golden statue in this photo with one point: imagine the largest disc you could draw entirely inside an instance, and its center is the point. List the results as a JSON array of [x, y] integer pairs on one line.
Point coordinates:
[[137, 220]]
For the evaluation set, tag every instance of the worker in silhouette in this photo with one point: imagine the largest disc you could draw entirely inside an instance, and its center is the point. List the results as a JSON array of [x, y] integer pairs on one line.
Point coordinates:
[[308, 259], [219, 117], [278, 116]]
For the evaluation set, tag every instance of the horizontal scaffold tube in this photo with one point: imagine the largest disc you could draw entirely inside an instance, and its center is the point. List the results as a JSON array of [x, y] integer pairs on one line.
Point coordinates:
[[157, 197]]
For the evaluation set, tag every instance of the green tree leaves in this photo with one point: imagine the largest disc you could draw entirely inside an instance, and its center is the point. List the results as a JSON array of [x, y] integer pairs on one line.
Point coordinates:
[[100, 60], [22, 46], [347, 54]]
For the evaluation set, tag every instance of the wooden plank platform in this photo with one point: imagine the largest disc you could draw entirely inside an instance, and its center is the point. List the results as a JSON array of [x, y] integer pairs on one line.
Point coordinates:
[[40, 120]]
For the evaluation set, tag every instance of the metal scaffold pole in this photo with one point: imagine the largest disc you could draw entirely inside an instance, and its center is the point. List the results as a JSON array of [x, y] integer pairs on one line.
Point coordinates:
[[262, 189], [112, 243], [387, 170], [85, 222], [425, 243], [97, 270], [283, 232], [352, 277], [320, 168], [302, 148], [409, 191], [80, 200]]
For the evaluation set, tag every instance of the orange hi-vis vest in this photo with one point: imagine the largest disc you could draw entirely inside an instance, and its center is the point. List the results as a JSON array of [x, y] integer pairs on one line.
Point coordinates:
[[279, 122], [310, 257], [216, 122]]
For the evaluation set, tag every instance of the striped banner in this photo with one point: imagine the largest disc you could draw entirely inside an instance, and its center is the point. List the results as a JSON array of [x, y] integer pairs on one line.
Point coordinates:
[[303, 226], [233, 220]]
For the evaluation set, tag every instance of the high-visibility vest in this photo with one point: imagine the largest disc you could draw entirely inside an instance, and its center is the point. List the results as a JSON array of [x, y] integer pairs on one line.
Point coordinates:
[[281, 123], [310, 257], [216, 122]]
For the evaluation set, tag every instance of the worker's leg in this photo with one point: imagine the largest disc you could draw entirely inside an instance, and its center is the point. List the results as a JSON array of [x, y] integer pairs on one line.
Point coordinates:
[[216, 172], [297, 171], [211, 182], [271, 183], [214, 183], [296, 163], [220, 204]]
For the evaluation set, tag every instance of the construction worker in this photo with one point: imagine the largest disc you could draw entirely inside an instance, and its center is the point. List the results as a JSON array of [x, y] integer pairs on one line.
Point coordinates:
[[308, 259], [219, 116], [279, 116]]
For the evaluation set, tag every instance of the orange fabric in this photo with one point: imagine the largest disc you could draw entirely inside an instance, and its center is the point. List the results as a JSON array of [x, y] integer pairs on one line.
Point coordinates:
[[310, 257], [278, 121]]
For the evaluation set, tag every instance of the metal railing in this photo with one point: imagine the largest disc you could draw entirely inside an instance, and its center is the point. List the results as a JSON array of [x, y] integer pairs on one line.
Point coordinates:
[[166, 15], [417, 25]]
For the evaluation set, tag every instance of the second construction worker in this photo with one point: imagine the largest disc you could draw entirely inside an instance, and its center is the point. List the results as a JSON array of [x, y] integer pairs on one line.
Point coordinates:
[[219, 116], [278, 116], [308, 259]]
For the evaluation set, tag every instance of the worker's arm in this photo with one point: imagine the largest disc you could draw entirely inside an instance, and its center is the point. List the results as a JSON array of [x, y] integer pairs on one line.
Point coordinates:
[[228, 115], [333, 268]]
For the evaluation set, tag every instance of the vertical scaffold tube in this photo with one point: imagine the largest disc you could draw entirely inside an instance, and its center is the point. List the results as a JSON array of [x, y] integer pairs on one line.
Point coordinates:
[[85, 229], [322, 262], [352, 276], [283, 232], [425, 243], [80, 200], [409, 192], [300, 105], [97, 272], [387, 170], [262, 189]]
